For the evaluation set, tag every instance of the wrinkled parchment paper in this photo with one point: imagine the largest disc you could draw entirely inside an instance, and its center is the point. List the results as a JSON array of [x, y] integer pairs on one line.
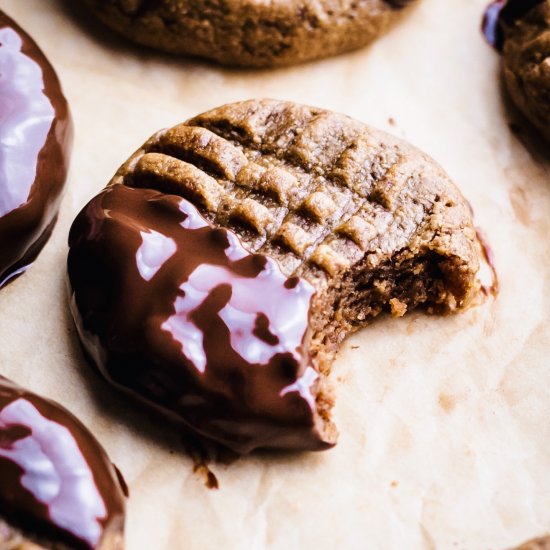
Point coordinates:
[[445, 423]]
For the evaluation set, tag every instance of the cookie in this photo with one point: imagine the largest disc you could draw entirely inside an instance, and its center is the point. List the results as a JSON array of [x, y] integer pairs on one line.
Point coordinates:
[[58, 488], [521, 30], [542, 543], [217, 274], [248, 33], [35, 139]]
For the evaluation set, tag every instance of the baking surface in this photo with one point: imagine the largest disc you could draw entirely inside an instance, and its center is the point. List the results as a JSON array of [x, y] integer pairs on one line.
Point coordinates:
[[445, 423]]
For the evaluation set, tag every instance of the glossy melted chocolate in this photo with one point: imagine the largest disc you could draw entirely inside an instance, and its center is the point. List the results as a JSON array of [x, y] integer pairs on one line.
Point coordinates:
[[56, 481], [505, 12], [35, 137], [178, 313]]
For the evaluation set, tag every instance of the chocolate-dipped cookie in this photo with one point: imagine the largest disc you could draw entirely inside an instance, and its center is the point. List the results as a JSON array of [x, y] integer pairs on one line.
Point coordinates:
[[521, 30], [219, 271], [251, 33], [58, 489], [35, 138]]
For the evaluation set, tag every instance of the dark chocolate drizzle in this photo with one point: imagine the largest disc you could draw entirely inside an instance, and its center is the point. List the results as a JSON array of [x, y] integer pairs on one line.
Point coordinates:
[[35, 138], [56, 482], [177, 312], [504, 12]]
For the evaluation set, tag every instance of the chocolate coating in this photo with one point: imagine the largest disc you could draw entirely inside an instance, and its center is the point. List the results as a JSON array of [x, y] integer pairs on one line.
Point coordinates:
[[56, 482], [35, 138], [178, 313]]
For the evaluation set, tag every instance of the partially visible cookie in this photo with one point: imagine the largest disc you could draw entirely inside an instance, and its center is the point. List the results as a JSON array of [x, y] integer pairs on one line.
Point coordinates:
[[58, 489], [35, 141], [542, 543], [218, 273], [249, 33], [521, 29]]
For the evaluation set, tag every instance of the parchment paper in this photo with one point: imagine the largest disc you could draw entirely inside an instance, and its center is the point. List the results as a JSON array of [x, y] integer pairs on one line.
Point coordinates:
[[445, 423]]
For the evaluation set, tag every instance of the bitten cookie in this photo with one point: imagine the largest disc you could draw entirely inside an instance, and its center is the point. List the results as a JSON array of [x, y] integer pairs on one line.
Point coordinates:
[[250, 33], [217, 274], [521, 30], [35, 138], [58, 489]]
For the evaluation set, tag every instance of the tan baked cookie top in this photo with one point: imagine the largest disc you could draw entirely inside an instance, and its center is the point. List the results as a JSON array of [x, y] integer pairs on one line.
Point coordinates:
[[316, 190]]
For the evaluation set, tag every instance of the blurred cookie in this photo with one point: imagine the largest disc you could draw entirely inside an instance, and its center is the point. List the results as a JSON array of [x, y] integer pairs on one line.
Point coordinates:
[[35, 138], [521, 30], [218, 273], [542, 543], [249, 33], [58, 489]]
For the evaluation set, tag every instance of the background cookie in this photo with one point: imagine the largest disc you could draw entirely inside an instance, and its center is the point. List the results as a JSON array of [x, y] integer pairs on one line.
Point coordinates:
[[58, 488], [541, 543], [338, 222], [522, 32], [250, 33], [35, 139]]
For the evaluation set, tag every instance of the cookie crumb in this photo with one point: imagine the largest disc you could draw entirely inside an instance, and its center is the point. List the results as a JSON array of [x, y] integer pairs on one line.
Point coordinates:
[[398, 308]]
